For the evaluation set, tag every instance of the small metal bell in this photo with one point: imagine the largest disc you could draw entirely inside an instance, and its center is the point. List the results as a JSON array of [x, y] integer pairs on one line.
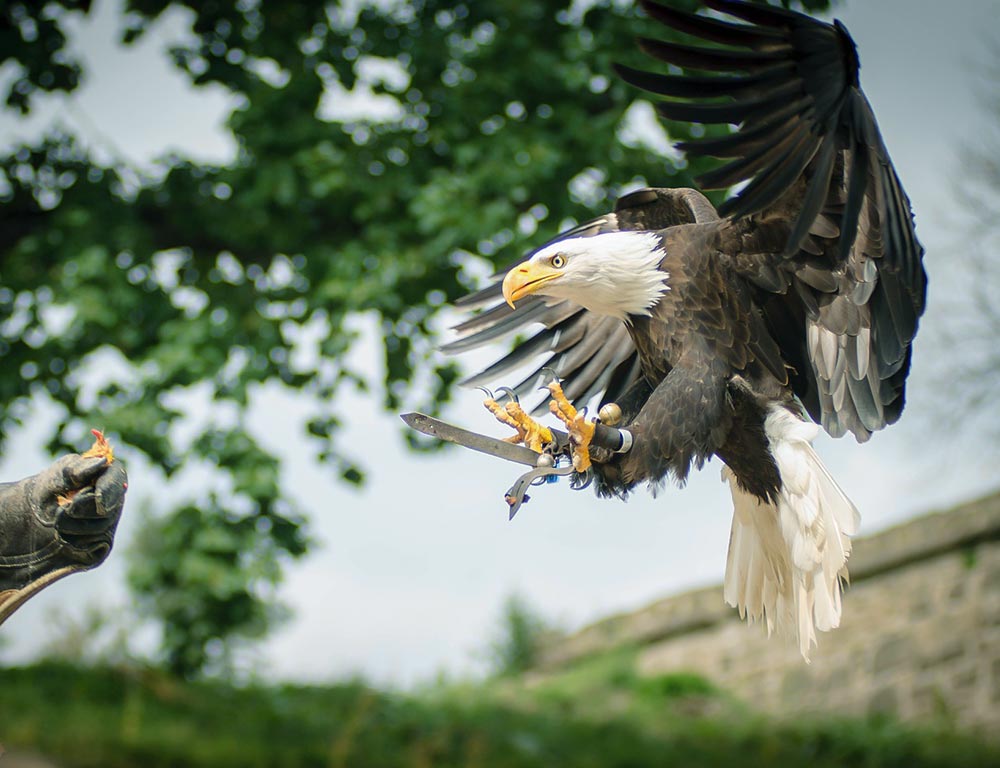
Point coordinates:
[[610, 414]]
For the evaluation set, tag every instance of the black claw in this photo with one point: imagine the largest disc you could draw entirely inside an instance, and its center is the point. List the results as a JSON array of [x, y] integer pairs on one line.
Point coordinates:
[[509, 392], [584, 481], [552, 371], [486, 392]]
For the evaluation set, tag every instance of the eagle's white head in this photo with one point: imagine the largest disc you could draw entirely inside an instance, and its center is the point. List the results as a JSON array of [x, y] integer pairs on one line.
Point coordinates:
[[616, 273]]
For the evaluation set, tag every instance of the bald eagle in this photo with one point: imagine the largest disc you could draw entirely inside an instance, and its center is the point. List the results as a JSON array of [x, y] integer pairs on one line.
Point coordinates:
[[736, 332]]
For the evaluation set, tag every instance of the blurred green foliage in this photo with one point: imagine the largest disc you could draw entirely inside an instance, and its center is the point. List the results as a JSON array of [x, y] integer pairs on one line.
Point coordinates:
[[519, 638], [121, 289], [608, 685], [112, 717]]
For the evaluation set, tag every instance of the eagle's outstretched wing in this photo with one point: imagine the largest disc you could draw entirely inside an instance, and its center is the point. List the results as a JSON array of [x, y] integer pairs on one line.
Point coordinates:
[[822, 228], [592, 354]]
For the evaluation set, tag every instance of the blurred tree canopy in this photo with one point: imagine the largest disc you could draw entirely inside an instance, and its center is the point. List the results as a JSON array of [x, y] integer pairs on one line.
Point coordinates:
[[968, 352], [499, 121], [519, 637]]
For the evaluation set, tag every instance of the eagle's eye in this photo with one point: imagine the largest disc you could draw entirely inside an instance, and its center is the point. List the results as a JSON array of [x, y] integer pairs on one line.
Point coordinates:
[[558, 261]]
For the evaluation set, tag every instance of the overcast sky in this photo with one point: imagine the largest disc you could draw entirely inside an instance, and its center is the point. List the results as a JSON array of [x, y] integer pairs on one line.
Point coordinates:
[[409, 574]]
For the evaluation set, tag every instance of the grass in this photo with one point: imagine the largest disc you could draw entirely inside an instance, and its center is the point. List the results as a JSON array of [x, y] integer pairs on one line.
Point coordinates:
[[597, 714]]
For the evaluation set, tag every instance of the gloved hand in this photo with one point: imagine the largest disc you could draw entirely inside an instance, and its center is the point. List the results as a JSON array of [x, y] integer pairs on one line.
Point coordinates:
[[57, 522]]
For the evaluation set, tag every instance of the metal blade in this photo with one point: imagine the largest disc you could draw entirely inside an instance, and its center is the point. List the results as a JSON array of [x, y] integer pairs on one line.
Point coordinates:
[[491, 446]]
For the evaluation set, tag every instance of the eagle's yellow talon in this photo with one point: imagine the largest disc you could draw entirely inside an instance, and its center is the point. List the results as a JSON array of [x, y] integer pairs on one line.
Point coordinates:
[[529, 431], [581, 430]]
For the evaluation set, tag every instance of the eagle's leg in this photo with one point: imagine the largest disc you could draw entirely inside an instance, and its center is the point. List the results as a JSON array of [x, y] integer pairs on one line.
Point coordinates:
[[529, 431], [581, 430]]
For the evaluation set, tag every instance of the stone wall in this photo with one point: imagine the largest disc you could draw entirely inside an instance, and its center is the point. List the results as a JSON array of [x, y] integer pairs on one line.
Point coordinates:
[[920, 636]]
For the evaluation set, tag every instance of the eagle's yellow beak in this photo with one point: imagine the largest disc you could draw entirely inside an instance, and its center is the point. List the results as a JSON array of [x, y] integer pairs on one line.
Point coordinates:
[[526, 279]]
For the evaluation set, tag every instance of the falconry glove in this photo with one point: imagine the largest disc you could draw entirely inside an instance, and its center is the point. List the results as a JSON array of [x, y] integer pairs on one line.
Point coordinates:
[[55, 523]]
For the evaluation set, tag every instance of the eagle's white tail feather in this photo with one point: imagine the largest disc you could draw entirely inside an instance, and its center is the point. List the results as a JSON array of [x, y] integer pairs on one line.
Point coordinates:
[[787, 559]]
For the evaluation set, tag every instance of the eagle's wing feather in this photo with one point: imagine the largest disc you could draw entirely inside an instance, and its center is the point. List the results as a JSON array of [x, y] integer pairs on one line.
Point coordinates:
[[822, 228], [592, 354]]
